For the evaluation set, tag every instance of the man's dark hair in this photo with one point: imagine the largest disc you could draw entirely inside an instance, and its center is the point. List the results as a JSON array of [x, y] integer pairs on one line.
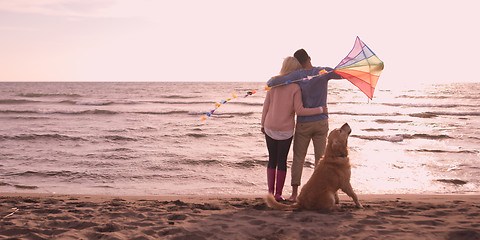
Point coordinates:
[[302, 56]]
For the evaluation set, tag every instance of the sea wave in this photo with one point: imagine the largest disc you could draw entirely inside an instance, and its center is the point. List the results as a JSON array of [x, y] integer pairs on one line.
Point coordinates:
[[195, 162], [437, 96], [163, 113], [237, 114], [427, 105], [423, 115], [119, 138], [424, 96], [197, 135], [401, 137], [69, 102], [28, 118], [204, 102], [429, 114], [443, 151], [96, 111], [25, 137], [250, 163], [67, 112], [385, 114], [38, 95], [225, 114], [437, 114], [177, 96], [394, 138], [16, 101], [30, 187], [17, 111], [70, 175], [107, 157], [247, 103], [453, 181], [178, 102], [91, 103], [426, 136], [456, 113], [387, 121], [373, 129], [45, 174]]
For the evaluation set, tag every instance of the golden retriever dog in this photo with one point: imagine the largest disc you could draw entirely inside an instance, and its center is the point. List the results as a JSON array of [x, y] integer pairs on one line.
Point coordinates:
[[332, 173]]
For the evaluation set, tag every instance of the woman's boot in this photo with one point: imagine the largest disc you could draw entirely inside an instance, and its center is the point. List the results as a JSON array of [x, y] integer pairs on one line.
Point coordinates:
[[271, 180], [281, 175]]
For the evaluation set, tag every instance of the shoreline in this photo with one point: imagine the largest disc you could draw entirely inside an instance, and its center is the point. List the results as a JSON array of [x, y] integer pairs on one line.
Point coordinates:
[[192, 197], [395, 216]]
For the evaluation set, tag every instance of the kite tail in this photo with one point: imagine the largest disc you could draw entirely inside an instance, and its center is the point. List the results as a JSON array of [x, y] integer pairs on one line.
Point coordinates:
[[222, 102]]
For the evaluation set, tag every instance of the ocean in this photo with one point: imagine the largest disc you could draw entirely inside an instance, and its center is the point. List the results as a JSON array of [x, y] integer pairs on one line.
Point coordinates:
[[147, 138]]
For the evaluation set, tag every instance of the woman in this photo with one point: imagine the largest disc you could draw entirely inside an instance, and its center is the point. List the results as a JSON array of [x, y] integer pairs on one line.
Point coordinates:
[[278, 123]]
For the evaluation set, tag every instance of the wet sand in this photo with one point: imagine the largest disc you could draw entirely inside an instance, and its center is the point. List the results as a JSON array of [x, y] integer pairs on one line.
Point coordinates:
[[46, 216]]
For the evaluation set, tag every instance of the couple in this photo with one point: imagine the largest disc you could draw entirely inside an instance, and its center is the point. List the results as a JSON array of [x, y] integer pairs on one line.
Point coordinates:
[[308, 99]]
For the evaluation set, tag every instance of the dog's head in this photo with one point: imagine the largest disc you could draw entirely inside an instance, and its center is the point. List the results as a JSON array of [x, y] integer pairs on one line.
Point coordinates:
[[337, 141]]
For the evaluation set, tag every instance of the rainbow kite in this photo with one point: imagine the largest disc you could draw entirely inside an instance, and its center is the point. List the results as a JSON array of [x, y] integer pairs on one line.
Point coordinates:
[[361, 67]]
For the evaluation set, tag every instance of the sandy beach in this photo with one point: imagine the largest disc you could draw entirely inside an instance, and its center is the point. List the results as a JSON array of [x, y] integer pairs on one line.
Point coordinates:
[[46, 216]]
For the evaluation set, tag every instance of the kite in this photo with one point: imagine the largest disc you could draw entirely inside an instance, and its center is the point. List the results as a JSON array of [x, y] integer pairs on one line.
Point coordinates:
[[361, 67], [221, 102]]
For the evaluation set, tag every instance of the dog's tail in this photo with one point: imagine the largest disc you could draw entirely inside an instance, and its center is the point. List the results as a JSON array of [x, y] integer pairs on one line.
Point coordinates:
[[271, 202]]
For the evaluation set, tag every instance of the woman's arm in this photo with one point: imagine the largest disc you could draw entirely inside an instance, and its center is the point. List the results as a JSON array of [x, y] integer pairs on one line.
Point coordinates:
[[266, 105], [300, 110]]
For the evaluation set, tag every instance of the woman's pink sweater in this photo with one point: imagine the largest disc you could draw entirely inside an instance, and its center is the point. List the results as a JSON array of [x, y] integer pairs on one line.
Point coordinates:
[[280, 106]]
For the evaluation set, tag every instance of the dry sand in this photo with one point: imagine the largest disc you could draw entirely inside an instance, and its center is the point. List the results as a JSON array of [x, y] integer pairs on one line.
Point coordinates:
[[44, 216]]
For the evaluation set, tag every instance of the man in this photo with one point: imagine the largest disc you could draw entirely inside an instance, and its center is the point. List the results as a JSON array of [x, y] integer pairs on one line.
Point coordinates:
[[314, 94]]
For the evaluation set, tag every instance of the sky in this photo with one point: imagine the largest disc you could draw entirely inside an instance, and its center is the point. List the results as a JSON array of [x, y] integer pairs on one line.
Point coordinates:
[[420, 41]]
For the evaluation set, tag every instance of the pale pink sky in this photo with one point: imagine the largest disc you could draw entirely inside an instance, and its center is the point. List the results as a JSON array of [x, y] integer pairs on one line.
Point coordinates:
[[146, 40]]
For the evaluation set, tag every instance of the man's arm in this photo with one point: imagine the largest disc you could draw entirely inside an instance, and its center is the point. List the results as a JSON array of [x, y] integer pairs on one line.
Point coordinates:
[[295, 75], [326, 76], [331, 74], [300, 74]]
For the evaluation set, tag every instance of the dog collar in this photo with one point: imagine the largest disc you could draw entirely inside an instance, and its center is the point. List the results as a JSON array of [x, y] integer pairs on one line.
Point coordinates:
[[343, 155]]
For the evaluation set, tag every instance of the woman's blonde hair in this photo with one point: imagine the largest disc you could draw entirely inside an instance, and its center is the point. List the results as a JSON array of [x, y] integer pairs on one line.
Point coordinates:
[[289, 65]]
